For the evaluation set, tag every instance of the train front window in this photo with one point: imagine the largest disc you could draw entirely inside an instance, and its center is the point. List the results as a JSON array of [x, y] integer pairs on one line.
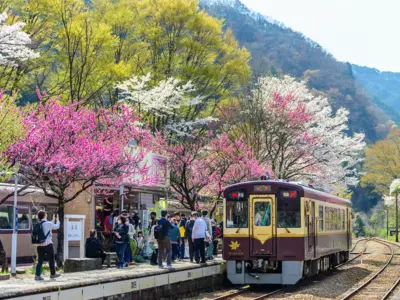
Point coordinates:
[[288, 210], [236, 214], [262, 215]]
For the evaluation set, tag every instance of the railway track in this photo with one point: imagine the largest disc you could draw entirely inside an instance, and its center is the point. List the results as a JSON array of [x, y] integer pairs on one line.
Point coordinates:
[[380, 285], [250, 293], [383, 282]]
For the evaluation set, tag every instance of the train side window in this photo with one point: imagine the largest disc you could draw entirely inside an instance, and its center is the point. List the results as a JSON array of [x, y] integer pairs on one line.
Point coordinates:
[[237, 214], [327, 215], [343, 220], [6, 217], [262, 215], [321, 218]]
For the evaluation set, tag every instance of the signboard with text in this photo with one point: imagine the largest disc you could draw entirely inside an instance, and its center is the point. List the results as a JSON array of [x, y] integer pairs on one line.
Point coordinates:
[[74, 231]]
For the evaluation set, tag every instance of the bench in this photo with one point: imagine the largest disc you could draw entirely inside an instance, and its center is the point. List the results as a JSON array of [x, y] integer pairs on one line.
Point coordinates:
[[111, 257], [81, 264]]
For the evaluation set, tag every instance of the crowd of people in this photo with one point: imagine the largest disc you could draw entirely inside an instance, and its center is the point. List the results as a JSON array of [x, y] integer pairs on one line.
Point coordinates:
[[167, 237], [169, 233]]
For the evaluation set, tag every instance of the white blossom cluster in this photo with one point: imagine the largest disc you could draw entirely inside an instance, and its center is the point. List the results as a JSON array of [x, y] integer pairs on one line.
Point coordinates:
[[335, 154], [14, 43], [169, 99]]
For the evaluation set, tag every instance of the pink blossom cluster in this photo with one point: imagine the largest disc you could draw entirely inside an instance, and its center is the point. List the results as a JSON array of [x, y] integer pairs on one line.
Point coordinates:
[[71, 143]]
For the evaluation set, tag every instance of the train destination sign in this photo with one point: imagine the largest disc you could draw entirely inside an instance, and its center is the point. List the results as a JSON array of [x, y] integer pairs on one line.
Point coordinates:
[[262, 188]]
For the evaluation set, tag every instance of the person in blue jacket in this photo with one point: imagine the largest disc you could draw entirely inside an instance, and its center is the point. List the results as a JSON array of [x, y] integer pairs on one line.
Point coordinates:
[[175, 238]]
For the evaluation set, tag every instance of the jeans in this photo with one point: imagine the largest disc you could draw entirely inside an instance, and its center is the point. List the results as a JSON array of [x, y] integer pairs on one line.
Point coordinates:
[[42, 250], [175, 251], [121, 252], [128, 253], [164, 245], [215, 251], [191, 249], [210, 249], [199, 250], [182, 250]]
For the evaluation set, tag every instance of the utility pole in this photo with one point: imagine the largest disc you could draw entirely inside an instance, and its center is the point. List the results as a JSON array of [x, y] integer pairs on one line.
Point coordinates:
[[15, 229], [387, 222]]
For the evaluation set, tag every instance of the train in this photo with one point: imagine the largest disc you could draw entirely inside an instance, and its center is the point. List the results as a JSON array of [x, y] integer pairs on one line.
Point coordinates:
[[279, 232]]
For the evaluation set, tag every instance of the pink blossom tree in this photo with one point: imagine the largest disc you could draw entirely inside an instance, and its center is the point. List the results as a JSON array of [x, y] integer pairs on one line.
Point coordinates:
[[297, 133], [207, 165], [67, 148]]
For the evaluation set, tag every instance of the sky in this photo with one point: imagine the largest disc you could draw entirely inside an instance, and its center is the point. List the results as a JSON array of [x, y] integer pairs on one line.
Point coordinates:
[[363, 32]]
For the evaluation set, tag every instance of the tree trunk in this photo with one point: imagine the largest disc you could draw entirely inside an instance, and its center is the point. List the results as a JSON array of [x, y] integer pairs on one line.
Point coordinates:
[[397, 218], [60, 237]]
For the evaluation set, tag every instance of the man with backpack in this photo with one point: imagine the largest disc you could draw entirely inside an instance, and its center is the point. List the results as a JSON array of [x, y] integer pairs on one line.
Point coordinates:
[[42, 239], [164, 244]]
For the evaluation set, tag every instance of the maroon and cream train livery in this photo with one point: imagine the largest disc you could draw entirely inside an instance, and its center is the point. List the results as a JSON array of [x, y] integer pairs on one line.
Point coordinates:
[[279, 232]]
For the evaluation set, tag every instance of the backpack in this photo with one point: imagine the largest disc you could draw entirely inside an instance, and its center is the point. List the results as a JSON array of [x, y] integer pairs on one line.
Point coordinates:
[[158, 233], [38, 235]]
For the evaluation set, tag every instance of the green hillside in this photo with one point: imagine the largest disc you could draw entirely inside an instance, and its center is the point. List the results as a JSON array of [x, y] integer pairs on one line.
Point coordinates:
[[384, 88], [276, 49]]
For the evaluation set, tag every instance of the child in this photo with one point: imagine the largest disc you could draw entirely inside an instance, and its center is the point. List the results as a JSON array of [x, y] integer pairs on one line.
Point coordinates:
[[141, 243]]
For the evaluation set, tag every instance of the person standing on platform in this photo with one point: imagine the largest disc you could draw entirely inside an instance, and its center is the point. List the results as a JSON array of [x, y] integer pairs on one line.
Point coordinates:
[[131, 232], [45, 247], [198, 236], [175, 237], [152, 240], [208, 235], [121, 240], [188, 236], [164, 244], [182, 226]]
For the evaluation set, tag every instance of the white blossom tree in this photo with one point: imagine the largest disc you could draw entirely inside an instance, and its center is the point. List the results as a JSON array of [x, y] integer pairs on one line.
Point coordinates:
[[297, 134], [169, 106], [14, 43]]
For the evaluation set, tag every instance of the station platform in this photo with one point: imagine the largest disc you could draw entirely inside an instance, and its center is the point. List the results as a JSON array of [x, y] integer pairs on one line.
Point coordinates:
[[141, 281]]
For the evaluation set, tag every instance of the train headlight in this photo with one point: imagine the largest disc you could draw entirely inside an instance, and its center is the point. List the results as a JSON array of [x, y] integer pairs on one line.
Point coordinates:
[[239, 266]]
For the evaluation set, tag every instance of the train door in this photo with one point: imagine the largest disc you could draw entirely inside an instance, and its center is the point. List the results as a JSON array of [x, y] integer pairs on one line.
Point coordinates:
[[262, 220], [348, 216], [311, 229]]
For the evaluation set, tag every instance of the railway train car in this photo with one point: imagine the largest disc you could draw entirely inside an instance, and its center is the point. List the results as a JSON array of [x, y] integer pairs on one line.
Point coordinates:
[[280, 232]]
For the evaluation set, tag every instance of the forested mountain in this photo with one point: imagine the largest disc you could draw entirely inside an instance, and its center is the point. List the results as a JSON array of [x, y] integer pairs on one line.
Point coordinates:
[[384, 88], [276, 49]]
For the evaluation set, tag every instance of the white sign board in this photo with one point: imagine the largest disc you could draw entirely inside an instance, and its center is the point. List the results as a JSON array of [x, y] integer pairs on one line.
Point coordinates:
[[74, 231]]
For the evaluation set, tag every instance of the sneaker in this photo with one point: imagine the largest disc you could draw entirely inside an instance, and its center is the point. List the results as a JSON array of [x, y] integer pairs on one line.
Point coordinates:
[[161, 267], [126, 265], [38, 278], [171, 268], [55, 276]]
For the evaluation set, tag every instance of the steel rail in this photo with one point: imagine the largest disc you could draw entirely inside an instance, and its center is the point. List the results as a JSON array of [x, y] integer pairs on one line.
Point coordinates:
[[396, 283], [246, 290], [358, 289]]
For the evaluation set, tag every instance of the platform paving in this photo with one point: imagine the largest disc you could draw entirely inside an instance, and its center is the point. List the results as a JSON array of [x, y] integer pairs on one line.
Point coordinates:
[[23, 285]]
